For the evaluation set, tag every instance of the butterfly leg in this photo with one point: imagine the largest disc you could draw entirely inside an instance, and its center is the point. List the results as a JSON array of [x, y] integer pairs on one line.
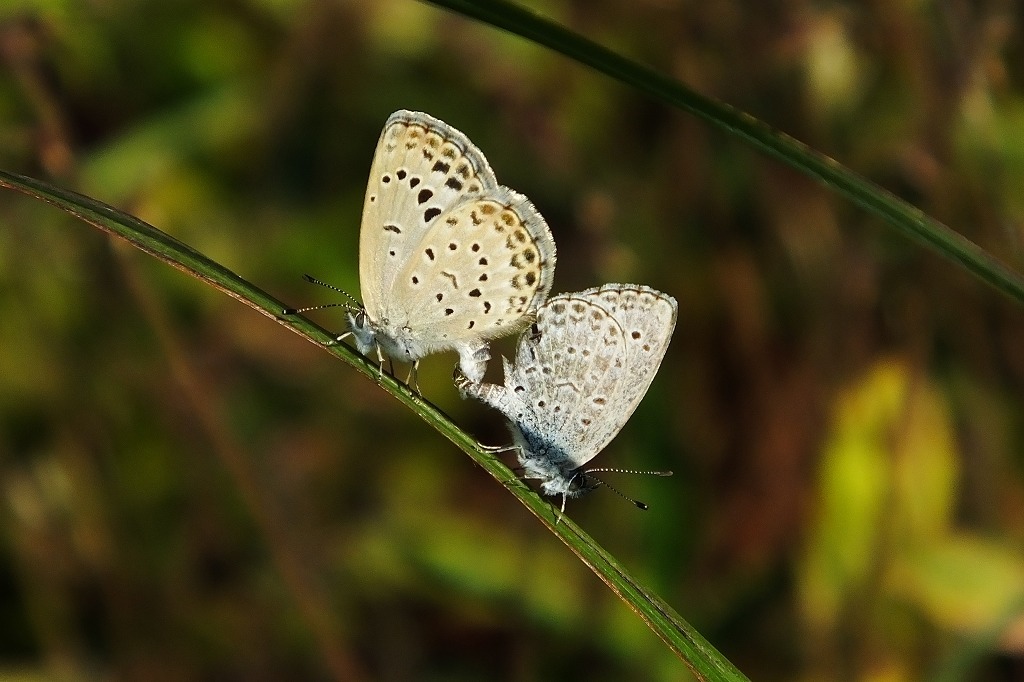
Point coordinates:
[[380, 364], [561, 512], [412, 381], [495, 449], [338, 339]]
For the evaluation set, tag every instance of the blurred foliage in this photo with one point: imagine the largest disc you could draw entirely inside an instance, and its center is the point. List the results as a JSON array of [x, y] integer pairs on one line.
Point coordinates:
[[187, 491]]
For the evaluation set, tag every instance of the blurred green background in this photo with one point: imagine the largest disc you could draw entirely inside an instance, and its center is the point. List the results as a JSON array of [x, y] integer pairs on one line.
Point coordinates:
[[188, 491]]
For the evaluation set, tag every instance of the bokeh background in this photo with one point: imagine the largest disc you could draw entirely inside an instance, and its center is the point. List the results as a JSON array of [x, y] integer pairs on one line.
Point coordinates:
[[188, 491]]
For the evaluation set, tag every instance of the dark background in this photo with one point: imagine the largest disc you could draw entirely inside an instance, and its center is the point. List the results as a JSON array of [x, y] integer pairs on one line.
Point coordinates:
[[189, 491]]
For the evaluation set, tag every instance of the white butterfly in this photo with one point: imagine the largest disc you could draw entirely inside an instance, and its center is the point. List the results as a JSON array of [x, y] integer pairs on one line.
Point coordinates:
[[580, 372], [448, 258]]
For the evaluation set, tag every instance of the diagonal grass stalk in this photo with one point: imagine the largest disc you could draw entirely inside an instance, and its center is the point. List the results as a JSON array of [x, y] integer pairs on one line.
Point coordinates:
[[899, 214], [702, 658]]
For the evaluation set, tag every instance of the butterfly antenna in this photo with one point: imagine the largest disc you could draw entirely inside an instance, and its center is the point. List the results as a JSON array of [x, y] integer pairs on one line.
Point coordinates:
[[313, 280], [637, 503], [354, 305], [296, 311]]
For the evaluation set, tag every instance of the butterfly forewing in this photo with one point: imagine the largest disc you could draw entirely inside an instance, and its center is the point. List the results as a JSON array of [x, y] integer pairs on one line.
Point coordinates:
[[421, 168]]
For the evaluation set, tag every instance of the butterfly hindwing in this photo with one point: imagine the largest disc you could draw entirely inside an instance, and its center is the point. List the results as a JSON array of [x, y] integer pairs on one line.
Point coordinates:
[[481, 270]]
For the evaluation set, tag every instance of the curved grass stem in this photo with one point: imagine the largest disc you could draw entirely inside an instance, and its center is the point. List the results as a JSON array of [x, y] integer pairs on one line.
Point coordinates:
[[704, 661], [903, 216]]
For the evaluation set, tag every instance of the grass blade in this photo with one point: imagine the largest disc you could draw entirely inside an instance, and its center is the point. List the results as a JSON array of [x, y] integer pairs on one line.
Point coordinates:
[[898, 213], [705, 662]]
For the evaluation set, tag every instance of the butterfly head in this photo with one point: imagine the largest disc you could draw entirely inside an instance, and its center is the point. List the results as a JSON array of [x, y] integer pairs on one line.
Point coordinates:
[[556, 479], [397, 341], [568, 485], [579, 483], [363, 330]]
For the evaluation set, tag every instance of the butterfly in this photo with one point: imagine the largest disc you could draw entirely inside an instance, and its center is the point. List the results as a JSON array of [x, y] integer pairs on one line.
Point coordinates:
[[579, 373], [448, 258]]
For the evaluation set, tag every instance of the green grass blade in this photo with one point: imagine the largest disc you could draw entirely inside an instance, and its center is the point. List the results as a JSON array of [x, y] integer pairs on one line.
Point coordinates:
[[705, 662], [906, 218]]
